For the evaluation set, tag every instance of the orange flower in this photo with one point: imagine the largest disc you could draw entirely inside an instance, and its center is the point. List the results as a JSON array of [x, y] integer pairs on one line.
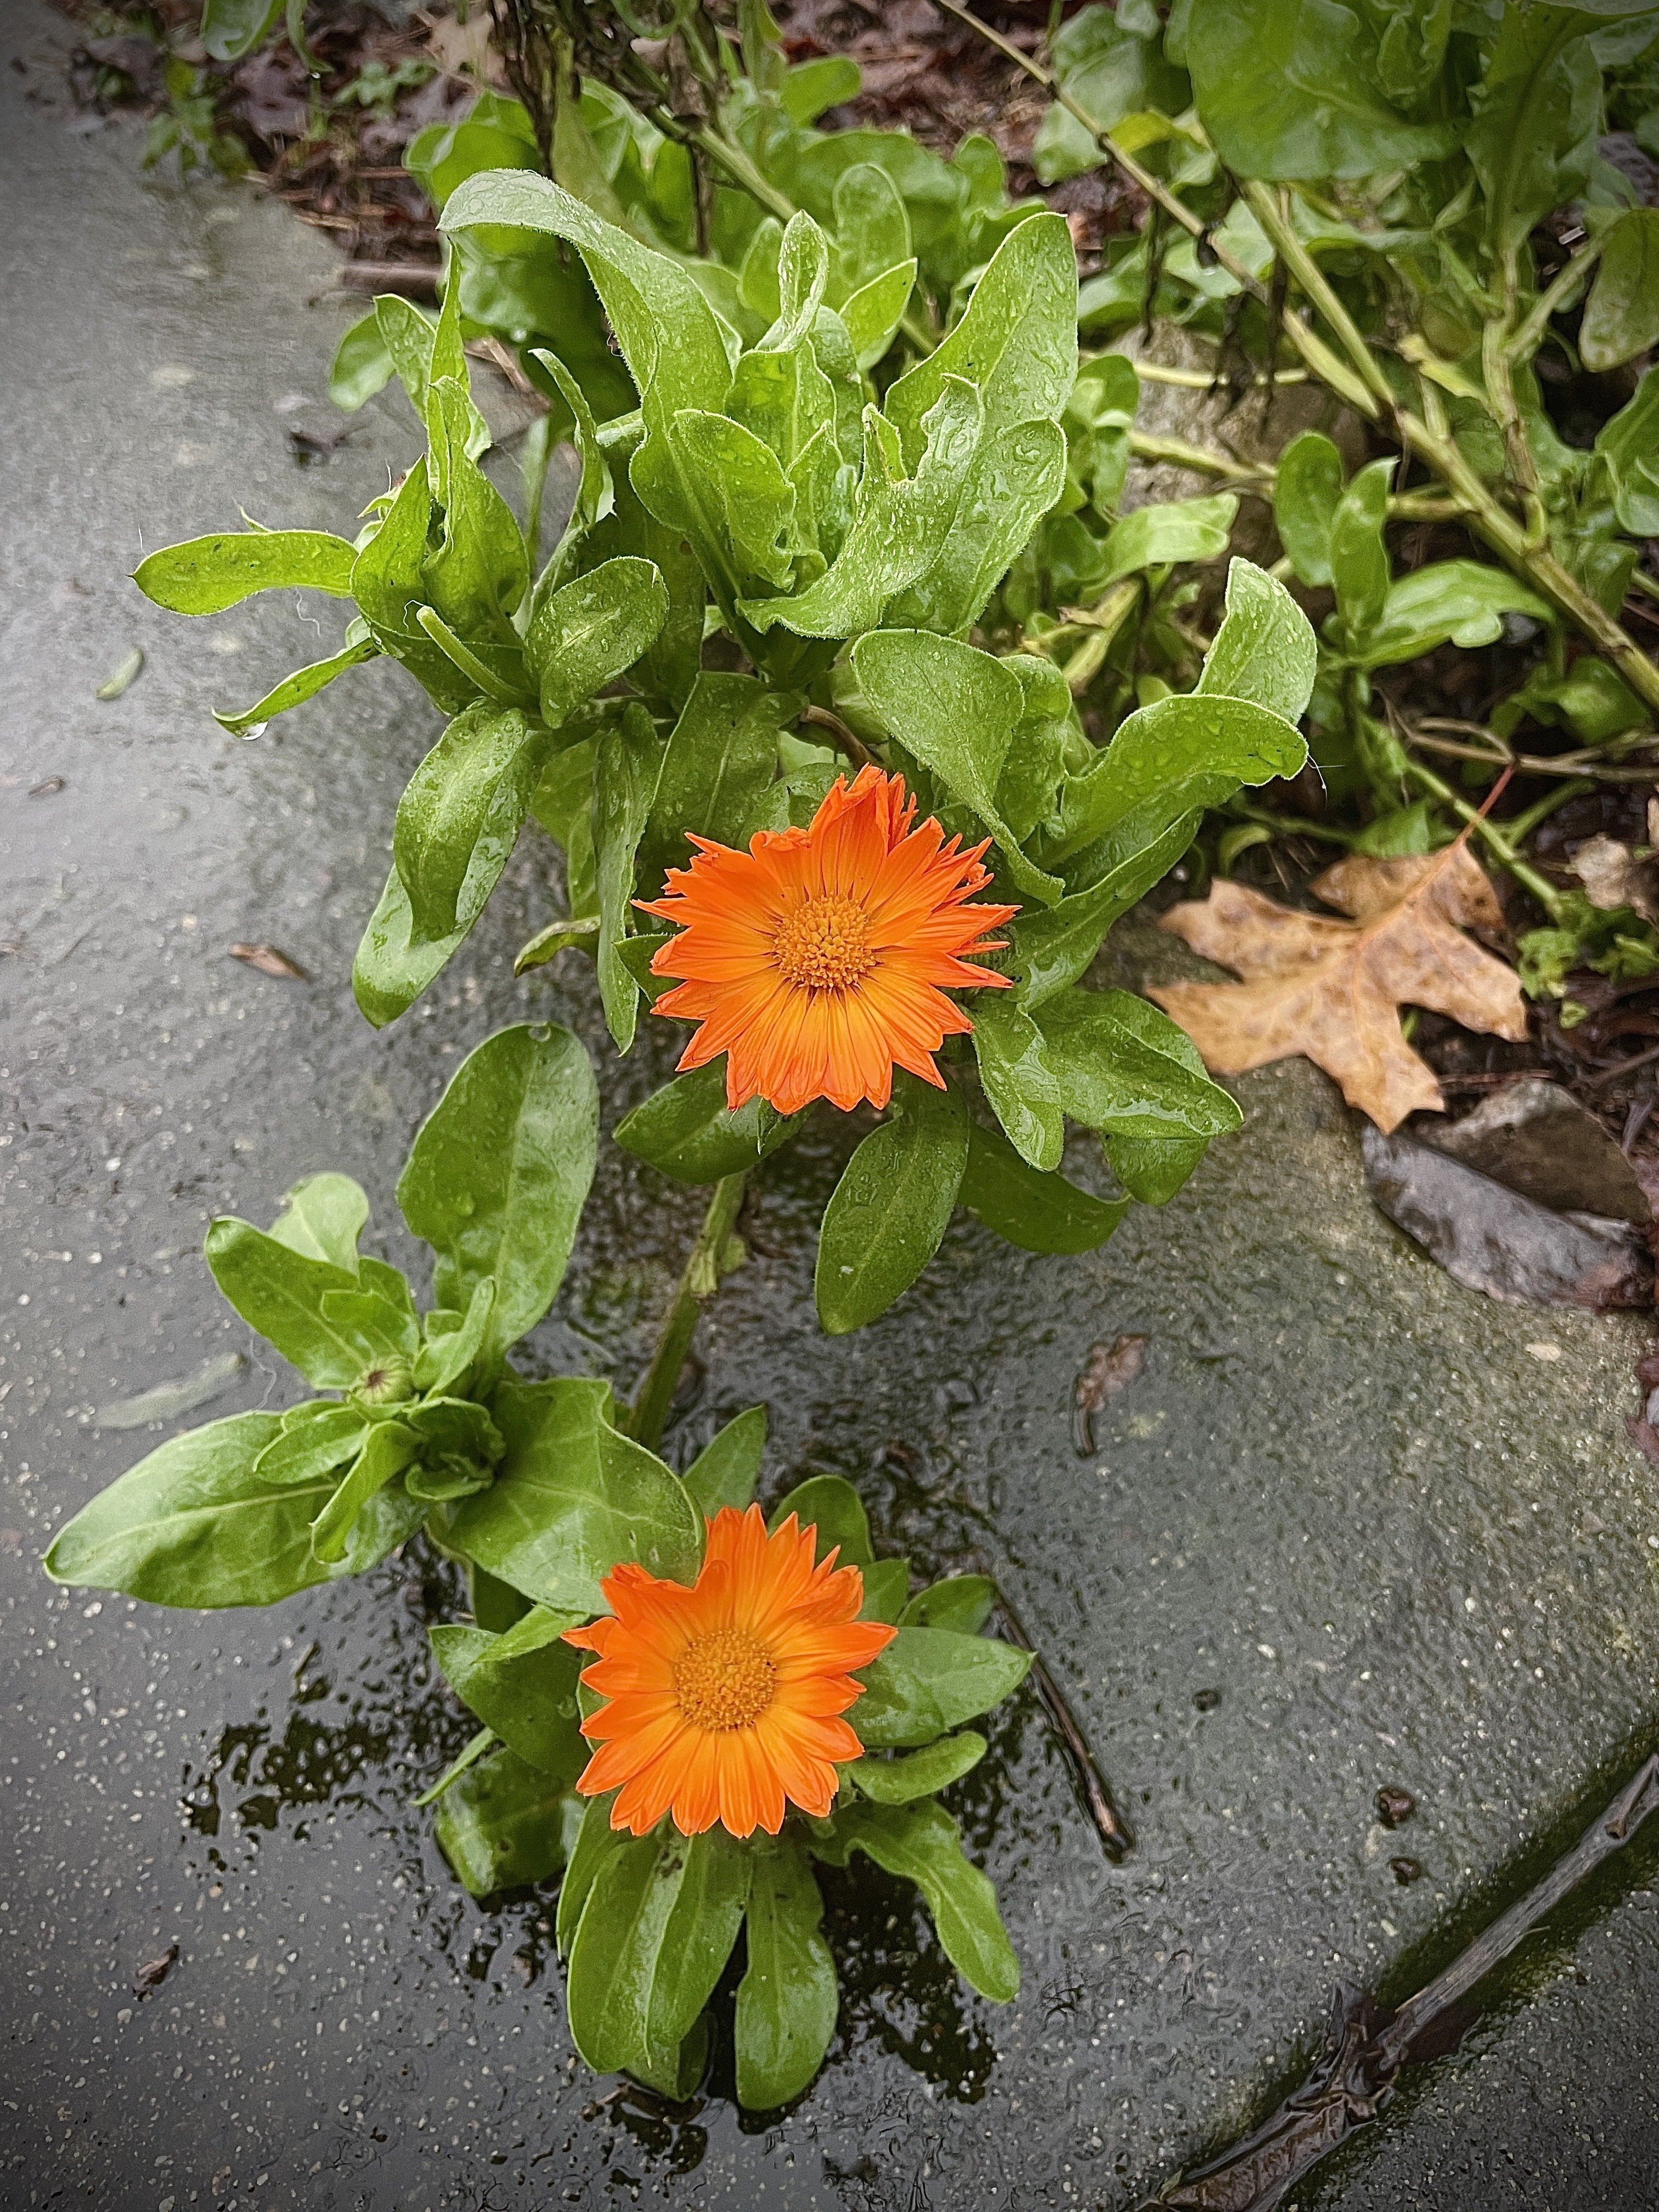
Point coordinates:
[[818, 961], [722, 1699]]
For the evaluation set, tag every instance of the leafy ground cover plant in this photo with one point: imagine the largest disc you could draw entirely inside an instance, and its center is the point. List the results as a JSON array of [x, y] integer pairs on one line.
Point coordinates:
[[557, 1514]]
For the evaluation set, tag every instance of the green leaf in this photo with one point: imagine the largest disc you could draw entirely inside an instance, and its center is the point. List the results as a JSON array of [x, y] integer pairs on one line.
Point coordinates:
[[930, 1680], [503, 1823], [522, 1684], [892, 1208], [1288, 89], [688, 1131], [655, 1933], [322, 1218], [787, 1998], [902, 1781], [669, 336], [722, 754], [1173, 530], [572, 1497], [450, 1352], [1629, 445], [747, 503], [1111, 71], [665, 673], [1171, 759], [388, 1448], [479, 571], [962, 1602], [280, 1292], [293, 691], [1307, 491], [592, 630], [725, 1470], [626, 768], [306, 1452], [207, 575], [558, 937], [1538, 110], [1265, 651], [1153, 1169], [826, 81], [1016, 1077], [955, 708], [1015, 477], [1017, 344], [828, 1504], [873, 312], [1039, 1212], [1055, 947], [1462, 601], [597, 1843], [499, 1172], [231, 28], [392, 966], [362, 365], [922, 1844], [1123, 1067], [1360, 567], [474, 785], [388, 582], [193, 1525], [899, 524]]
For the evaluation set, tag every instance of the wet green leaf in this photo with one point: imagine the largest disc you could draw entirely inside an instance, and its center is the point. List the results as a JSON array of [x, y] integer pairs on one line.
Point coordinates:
[[499, 1172], [206, 574], [962, 1602], [280, 1292], [1629, 445], [293, 691], [1464, 601], [722, 754], [892, 1208], [627, 765], [362, 365], [1123, 1067], [572, 1497], [1038, 1212], [1307, 491], [828, 1504], [504, 1822], [473, 787], [787, 1998], [657, 1927], [305, 1452], [688, 1131], [1265, 651], [929, 1680], [922, 1844], [1175, 530], [1016, 1077], [193, 1525], [593, 630], [522, 1684], [902, 1781]]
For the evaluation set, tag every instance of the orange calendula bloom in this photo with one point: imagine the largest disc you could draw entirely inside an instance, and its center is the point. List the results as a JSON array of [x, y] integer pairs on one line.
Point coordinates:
[[819, 960], [723, 1701]]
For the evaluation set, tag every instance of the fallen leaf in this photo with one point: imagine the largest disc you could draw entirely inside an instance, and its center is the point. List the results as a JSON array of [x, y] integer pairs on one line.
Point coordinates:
[[1535, 1138], [124, 676], [1332, 989], [1492, 1239], [49, 789], [1109, 1369], [1612, 876], [165, 1401], [270, 961], [155, 1972]]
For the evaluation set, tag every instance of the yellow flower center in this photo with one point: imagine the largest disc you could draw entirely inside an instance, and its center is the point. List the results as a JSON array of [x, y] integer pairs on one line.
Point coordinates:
[[726, 1680], [823, 945]]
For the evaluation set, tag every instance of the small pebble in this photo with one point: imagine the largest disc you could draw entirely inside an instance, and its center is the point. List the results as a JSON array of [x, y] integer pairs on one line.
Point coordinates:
[[1406, 1871], [1208, 1700]]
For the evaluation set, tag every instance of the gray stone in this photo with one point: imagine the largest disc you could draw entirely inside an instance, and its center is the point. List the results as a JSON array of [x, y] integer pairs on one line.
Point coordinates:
[[1350, 1494]]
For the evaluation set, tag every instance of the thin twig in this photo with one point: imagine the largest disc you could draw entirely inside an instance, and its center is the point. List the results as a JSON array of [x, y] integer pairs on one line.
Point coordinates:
[[1115, 1839], [1623, 1067], [1367, 2046], [821, 718]]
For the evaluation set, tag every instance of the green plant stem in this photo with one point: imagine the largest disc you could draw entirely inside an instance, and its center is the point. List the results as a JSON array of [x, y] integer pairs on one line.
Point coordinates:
[[707, 1262], [1198, 379], [1517, 546], [1181, 453], [1495, 836], [1524, 339]]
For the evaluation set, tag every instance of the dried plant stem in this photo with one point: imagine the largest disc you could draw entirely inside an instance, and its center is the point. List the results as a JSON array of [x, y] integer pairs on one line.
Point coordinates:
[[1114, 1835], [709, 1259]]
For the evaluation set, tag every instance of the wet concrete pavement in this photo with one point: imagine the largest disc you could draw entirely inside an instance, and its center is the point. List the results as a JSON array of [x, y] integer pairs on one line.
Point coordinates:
[[1396, 1527]]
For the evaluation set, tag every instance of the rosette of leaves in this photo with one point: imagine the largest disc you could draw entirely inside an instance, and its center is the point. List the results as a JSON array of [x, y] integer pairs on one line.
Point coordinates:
[[417, 1414], [442, 579], [845, 551], [648, 1924]]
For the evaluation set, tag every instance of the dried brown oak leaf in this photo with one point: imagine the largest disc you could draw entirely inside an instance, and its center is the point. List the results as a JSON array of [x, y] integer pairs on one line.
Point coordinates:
[[1333, 989]]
